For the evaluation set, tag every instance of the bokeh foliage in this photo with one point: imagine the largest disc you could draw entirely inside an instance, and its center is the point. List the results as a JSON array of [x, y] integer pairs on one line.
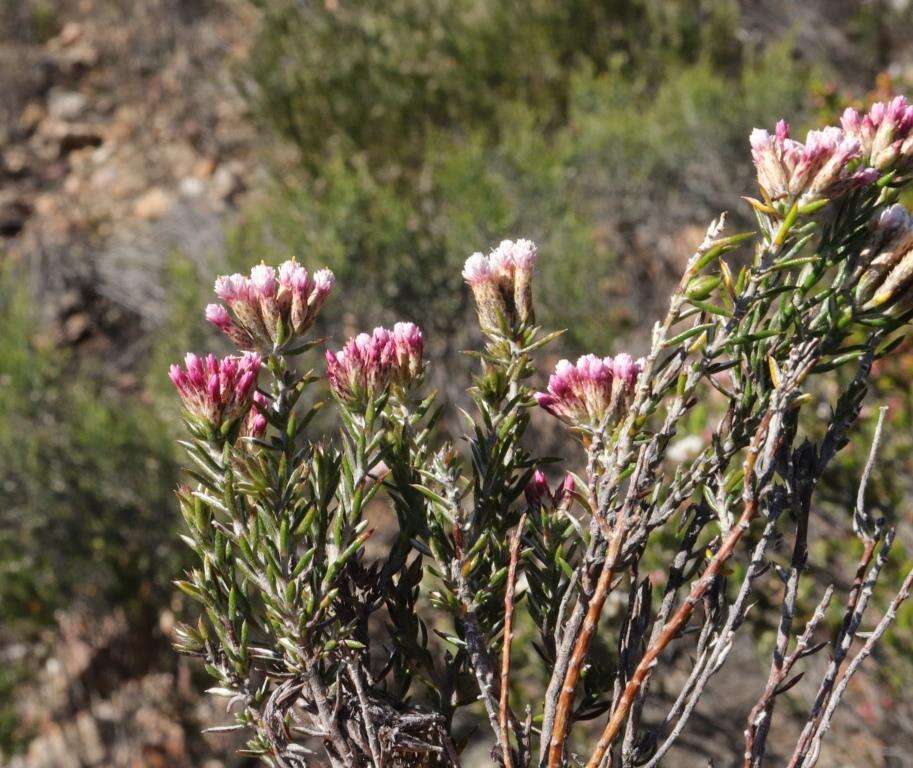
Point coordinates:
[[87, 518], [88, 512], [422, 131]]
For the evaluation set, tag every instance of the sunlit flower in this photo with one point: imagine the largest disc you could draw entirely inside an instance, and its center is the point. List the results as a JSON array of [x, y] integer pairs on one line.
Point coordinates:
[[884, 133], [217, 392], [271, 307], [220, 317], [369, 364], [593, 392], [501, 283], [408, 345], [822, 167]]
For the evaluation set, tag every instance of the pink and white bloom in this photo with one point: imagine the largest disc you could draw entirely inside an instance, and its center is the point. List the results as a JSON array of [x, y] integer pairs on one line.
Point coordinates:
[[523, 255], [822, 167], [884, 133], [501, 282], [486, 284], [369, 364], [217, 391], [593, 392], [270, 307], [263, 281]]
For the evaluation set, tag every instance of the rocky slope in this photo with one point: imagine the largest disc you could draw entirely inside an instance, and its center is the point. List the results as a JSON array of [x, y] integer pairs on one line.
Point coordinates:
[[123, 139]]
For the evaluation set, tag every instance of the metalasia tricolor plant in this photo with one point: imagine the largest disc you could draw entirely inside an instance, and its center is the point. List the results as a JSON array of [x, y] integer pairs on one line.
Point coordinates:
[[327, 652]]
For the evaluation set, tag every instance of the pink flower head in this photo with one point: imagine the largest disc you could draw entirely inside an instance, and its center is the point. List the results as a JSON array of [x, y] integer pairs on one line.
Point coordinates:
[[353, 371], [217, 393], [324, 280], [486, 284], [220, 317], [232, 288], [523, 256], [502, 282], [590, 393], [272, 307], [293, 278], [369, 364], [626, 369], [819, 168], [884, 133]]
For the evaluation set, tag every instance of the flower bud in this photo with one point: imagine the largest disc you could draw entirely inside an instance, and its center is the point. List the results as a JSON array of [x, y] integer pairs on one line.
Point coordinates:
[[537, 490], [263, 280], [221, 319], [257, 422], [501, 283], [626, 371], [884, 133], [524, 258], [408, 345], [484, 282]]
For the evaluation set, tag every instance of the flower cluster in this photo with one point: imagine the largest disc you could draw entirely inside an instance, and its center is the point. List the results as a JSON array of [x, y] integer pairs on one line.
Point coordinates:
[[502, 283], [217, 393], [479, 538], [822, 167], [884, 133], [888, 261], [270, 308], [592, 393], [369, 364]]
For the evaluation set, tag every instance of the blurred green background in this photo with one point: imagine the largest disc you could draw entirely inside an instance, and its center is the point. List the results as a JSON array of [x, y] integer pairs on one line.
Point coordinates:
[[148, 145]]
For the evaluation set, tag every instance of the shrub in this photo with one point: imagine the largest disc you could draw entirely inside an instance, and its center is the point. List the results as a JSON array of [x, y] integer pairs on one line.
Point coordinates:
[[308, 633]]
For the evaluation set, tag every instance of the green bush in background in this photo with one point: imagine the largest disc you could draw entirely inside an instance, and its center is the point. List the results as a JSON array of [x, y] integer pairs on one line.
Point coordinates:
[[87, 512], [425, 130], [87, 517]]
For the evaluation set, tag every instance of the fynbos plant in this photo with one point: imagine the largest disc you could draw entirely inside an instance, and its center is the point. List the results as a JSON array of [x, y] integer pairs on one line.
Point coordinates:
[[315, 642]]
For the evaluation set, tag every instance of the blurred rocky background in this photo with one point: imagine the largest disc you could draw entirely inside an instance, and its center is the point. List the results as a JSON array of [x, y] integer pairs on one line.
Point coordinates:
[[146, 145]]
